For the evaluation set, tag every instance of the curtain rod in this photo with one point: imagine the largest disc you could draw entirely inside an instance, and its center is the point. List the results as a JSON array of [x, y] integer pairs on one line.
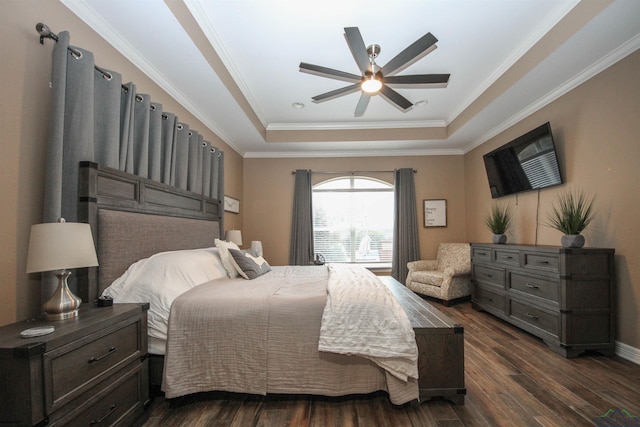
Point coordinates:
[[351, 172], [46, 33]]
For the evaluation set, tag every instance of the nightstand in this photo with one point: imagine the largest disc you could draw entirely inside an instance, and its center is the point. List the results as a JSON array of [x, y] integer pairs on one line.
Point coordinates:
[[92, 369]]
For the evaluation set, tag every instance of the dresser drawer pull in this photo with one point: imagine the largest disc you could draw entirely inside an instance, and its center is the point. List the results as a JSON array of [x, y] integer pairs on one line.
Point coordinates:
[[99, 358], [532, 286], [507, 257], [488, 275], [111, 410], [531, 316], [543, 262]]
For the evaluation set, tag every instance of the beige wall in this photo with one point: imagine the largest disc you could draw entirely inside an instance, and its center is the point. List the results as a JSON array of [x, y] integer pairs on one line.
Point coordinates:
[[25, 71], [268, 196], [597, 131]]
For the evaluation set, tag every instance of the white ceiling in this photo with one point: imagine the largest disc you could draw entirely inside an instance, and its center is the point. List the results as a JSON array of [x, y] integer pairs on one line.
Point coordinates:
[[234, 65]]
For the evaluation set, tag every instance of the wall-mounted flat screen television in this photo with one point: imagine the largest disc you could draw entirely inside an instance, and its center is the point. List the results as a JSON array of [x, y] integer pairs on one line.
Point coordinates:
[[529, 162]]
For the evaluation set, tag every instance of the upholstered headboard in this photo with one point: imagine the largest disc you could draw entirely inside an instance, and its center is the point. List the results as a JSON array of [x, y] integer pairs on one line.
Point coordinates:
[[132, 218]]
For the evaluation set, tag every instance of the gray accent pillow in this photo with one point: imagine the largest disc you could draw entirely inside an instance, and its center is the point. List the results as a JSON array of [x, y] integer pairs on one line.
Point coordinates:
[[249, 264]]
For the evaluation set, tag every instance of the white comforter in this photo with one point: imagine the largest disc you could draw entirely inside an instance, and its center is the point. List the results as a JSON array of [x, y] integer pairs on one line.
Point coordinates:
[[362, 317]]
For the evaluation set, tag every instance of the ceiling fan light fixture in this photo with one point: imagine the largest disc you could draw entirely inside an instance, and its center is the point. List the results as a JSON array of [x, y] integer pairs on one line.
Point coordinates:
[[371, 84]]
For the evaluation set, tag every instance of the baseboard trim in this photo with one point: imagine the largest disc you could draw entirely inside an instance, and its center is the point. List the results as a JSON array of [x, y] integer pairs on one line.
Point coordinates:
[[627, 352]]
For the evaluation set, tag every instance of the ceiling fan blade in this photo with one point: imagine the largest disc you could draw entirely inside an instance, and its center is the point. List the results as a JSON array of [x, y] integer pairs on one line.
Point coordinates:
[[411, 54], [419, 80], [362, 104], [357, 47], [329, 73], [398, 100], [336, 93]]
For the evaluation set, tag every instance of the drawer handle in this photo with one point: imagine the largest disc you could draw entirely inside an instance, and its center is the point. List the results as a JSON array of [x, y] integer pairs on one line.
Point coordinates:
[[543, 262], [531, 316], [99, 358], [111, 410], [489, 275], [508, 257], [532, 286]]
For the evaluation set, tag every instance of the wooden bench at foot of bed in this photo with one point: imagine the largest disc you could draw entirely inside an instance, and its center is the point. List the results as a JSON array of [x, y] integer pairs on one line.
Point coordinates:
[[440, 346]]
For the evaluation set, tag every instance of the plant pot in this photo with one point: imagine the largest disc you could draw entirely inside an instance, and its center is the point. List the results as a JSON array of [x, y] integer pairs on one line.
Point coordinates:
[[499, 238], [572, 241]]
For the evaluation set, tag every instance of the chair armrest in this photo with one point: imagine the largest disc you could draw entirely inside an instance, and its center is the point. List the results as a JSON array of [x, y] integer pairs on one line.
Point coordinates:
[[460, 270], [423, 264]]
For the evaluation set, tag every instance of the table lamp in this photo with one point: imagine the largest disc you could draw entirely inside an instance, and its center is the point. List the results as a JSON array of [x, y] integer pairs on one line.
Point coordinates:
[[256, 245], [59, 246], [234, 236]]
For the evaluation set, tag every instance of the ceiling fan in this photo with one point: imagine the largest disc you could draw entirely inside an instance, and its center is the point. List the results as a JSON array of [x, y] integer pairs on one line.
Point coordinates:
[[375, 79]]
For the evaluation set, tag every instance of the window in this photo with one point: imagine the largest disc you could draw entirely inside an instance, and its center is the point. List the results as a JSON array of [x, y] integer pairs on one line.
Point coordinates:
[[353, 220]]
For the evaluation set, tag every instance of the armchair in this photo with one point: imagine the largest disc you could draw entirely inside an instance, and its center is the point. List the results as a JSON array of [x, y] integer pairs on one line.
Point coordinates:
[[446, 278]]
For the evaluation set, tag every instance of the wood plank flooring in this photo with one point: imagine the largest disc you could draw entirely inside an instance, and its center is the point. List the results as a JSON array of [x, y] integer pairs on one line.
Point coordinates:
[[512, 379]]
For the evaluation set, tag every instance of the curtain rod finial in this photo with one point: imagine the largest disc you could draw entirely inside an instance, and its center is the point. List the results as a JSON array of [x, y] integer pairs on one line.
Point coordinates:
[[45, 32]]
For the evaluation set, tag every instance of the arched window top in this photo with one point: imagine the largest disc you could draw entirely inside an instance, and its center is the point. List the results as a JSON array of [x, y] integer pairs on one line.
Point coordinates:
[[353, 220], [353, 183]]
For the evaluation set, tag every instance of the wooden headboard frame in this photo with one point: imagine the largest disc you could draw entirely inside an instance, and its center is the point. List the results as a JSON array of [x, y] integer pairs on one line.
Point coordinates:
[[133, 217]]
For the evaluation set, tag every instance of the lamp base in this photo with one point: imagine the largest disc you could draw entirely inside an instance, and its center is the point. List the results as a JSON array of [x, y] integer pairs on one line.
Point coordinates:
[[63, 304]]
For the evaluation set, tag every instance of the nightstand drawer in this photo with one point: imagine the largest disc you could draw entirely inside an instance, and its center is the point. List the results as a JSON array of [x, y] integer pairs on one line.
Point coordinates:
[[547, 289], [72, 368], [117, 402]]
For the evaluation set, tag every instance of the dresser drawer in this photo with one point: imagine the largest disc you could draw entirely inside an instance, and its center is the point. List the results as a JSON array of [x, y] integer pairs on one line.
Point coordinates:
[[487, 298], [488, 274], [534, 316], [481, 254], [540, 262], [540, 287], [70, 369], [507, 257]]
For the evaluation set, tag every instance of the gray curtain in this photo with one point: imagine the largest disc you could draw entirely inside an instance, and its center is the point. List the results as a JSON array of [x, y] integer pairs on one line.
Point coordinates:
[[301, 248], [94, 117], [406, 246]]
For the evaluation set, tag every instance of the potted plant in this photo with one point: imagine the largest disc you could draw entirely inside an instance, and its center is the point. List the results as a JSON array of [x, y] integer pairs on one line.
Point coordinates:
[[498, 221], [571, 216]]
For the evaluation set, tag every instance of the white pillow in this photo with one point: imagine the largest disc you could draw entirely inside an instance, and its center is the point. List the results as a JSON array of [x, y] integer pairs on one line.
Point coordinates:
[[163, 277], [227, 260]]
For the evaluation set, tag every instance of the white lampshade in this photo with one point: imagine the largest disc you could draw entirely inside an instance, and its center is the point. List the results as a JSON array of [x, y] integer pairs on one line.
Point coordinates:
[[234, 236], [256, 245], [60, 246]]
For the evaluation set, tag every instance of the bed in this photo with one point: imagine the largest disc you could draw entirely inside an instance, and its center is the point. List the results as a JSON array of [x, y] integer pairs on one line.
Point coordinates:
[[136, 219]]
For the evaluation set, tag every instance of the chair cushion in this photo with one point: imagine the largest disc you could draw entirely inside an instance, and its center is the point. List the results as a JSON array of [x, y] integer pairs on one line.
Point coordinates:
[[433, 278]]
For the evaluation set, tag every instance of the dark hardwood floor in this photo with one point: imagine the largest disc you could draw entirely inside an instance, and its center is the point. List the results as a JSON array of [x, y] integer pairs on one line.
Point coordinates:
[[512, 379]]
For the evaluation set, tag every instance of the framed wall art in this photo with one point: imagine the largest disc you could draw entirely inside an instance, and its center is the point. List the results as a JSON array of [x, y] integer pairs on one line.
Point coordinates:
[[231, 204], [435, 213]]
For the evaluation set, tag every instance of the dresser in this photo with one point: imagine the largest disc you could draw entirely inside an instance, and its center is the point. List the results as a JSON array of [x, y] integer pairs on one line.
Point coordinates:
[[92, 370], [565, 296]]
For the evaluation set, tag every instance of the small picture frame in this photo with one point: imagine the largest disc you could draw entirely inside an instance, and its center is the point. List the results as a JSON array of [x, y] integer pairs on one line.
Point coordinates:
[[435, 213], [231, 205]]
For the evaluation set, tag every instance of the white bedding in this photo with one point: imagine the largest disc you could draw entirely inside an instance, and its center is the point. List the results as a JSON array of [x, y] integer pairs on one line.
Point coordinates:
[[363, 318], [159, 280]]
